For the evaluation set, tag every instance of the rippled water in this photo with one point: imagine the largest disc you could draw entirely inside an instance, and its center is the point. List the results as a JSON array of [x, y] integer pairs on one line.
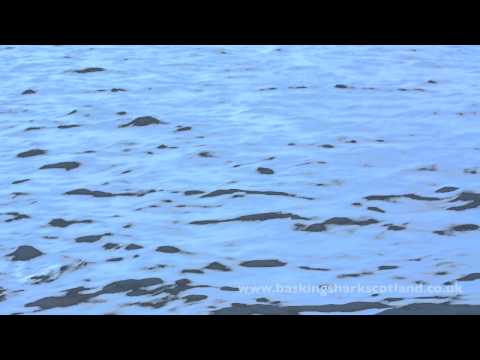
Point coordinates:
[[262, 174]]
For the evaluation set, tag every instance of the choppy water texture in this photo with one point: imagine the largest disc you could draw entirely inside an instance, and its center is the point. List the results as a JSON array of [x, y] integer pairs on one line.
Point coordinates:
[[175, 179]]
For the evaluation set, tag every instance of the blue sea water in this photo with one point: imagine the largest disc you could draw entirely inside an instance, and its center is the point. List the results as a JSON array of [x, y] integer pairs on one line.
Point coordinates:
[[348, 168]]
